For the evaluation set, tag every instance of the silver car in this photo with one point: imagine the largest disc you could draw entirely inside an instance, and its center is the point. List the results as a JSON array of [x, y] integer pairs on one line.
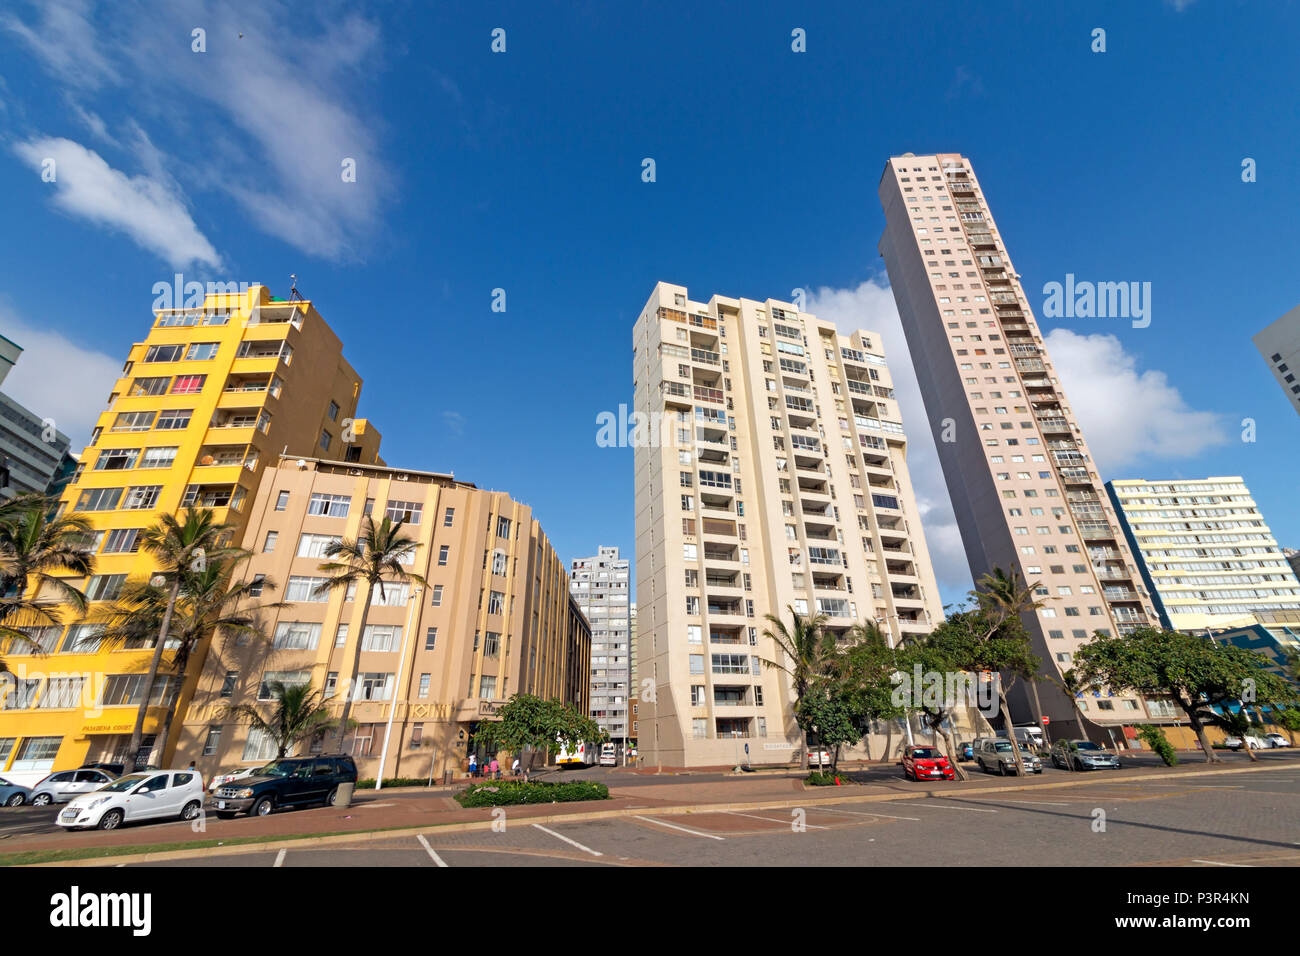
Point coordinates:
[[994, 755], [63, 786]]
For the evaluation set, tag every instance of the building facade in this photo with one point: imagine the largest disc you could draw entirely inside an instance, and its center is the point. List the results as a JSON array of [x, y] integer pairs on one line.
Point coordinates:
[[495, 618], [1024, 487], [1279, 344], [33, 452], [770, 473], [203, 404], [600, 586], [1205, 552]]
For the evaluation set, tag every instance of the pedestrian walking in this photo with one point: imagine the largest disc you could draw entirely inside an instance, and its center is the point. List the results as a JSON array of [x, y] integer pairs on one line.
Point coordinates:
[[514, 768], [496, 769], [473, 765]]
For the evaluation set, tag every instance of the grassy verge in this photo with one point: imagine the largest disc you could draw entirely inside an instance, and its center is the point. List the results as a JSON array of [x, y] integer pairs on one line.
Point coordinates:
[[506, 793]]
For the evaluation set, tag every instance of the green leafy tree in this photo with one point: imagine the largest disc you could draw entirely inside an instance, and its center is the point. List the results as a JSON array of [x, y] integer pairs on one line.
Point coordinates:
[[38, 554], [298, 713], [182, 545], [948, 649], [527, 724], [1198, 674], [827, 708], [1288, 718], [864, 671], [805, 650], [1155, 738], [375, 560]]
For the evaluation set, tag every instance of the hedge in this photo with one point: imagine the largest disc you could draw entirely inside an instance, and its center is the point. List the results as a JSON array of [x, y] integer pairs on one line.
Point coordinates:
[[502, 793]]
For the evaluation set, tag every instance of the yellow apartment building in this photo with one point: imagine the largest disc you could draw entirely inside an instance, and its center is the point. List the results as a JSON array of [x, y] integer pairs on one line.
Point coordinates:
[[204, 403]]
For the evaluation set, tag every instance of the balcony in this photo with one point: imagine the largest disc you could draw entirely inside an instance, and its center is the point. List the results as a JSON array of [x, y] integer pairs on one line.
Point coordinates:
[[705, 357], [715, 527], [705, 394], [1096, 530]]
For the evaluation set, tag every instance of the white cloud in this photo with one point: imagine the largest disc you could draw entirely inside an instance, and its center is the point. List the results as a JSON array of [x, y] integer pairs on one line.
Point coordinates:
[[56, 378], [267, 115], [149, 209], [455, 422], [64, 39], [1128, 417]]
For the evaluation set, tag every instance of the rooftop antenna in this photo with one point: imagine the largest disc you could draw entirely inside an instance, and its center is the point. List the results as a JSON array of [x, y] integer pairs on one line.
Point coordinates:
[[293, 288]]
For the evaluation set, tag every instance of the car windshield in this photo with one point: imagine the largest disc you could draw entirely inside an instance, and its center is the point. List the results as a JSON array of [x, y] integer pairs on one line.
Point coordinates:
[[925, 752], [1086, 745], [1002, 747], [281, 768], [125, 783]]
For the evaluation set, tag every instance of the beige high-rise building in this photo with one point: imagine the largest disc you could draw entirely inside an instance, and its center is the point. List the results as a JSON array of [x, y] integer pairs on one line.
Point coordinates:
[[1279, 344], [496, 618], [1024, 487], [770, 472]]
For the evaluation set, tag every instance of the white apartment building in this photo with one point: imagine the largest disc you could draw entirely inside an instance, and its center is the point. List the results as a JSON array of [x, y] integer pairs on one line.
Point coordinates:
[[770, 472], [1206, 553], [599, 585], [1279, 343]]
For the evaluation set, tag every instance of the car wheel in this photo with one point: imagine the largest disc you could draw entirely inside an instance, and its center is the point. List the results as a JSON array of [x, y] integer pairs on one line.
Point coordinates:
[[191, 810], [15, 801], [332, 798], [111, 820], [1002, 769], [263, 807], [42, 800]]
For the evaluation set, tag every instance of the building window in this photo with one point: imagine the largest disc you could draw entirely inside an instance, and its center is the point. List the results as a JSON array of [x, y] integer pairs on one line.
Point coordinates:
[[430, 638], [448, 517], [443, 551], [333, 411], [407, 511], [331, 506], [325, 439], [213, 740], [437, 595], [268, 545], [496, 602], [282, 501]]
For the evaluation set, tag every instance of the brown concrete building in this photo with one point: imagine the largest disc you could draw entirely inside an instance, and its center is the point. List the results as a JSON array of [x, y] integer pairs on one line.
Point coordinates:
[[496, 618]]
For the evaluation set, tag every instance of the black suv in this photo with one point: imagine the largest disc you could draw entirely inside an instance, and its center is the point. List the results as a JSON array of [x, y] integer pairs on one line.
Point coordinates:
[[287, 782]]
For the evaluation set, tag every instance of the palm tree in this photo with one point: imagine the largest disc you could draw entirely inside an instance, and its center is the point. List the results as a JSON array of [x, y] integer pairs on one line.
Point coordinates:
[[300, 713], [209, 600], [376, 557], [807, 649], [181, 545], [33, 548], [1003, 598]]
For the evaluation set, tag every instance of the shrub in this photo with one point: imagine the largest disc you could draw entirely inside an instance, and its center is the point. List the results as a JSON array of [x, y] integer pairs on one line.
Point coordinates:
[[816, 779], [1155, 738], [503, 793]]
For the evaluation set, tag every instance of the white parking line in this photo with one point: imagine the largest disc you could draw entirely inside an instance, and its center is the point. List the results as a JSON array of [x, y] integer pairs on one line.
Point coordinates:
[[561, 836], [863, 813], [429, 850], [1044, 803], [673, 826], [943, 806], [1217, 863], [737, 813], [279, 858]]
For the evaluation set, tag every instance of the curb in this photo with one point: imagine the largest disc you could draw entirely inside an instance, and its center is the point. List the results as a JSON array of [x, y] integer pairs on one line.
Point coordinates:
[[371, 836]]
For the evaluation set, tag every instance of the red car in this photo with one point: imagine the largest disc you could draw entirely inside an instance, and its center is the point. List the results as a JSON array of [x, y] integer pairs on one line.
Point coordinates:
[[926, 763]]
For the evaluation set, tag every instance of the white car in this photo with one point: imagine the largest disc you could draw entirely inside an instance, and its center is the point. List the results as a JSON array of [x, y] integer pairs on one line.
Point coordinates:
[[154, 795], [1276, 740], [222, 778], [1253, 742]]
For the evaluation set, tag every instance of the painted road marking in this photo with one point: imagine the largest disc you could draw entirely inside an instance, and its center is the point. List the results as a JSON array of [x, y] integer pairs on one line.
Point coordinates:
[[561, 836], [864, 813], [673, 826], [737, 813], [429, 850], [279, 858], [944, 806], [1044, 803], [1217, 863]]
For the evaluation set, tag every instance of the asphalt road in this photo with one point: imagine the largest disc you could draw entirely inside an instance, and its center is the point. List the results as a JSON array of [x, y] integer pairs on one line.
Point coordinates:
[[22, 821], [1203, 822]]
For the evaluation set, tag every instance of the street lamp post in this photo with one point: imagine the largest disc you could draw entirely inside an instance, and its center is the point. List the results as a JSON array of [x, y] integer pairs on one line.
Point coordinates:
[[416, 591]]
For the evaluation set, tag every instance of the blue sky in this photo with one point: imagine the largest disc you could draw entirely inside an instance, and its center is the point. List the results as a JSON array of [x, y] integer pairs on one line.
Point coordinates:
[[522, 170]]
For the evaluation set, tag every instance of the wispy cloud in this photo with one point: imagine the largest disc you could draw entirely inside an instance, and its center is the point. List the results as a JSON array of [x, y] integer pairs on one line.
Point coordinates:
[[455, 422], [147, 208], [268, 114], [57, 378]]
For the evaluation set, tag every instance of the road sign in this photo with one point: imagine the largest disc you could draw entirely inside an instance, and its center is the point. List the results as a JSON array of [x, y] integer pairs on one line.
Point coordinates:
[[1046, 721]]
